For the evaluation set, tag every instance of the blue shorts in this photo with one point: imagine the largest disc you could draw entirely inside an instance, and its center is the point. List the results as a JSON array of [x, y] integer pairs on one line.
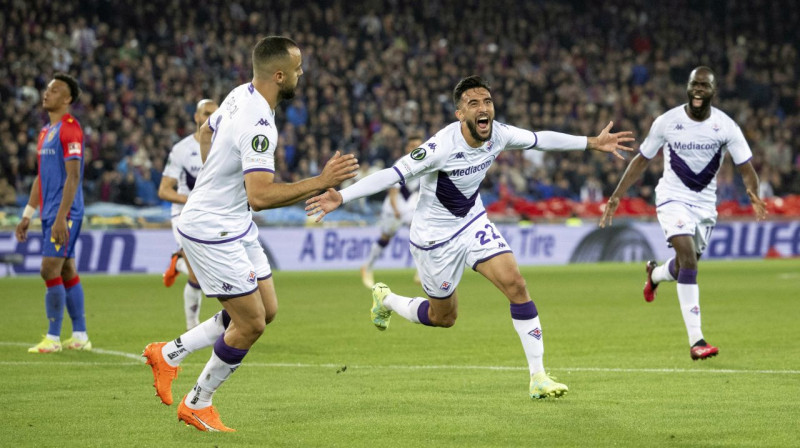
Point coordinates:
[[51, 249]]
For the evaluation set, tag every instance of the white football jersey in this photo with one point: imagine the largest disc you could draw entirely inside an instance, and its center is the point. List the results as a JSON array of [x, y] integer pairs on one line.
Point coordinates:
[[450, 173], [244, 140], [184, 164], [693, 153]]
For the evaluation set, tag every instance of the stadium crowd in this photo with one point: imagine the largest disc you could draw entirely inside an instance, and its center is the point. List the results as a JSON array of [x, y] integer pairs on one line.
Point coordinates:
[[377, 70]]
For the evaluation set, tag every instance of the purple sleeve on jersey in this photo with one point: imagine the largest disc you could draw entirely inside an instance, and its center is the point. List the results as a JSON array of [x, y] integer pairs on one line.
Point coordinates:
[[402, 178], [258, 169]]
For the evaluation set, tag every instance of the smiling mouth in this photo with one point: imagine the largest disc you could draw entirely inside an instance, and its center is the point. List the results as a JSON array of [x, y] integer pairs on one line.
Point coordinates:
[[697, 101], [483, 123]]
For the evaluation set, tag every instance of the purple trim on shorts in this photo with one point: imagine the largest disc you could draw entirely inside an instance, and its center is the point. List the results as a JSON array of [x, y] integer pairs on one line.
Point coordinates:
[[264, 278], [507, 251], [193, 284], [687, 276], [680, 202], [524, 311], [671, 266], [232, 296], [422, 313], [440, 298], [228, 354], [454, 235], [197, 240], [402, 178], [258, 169]]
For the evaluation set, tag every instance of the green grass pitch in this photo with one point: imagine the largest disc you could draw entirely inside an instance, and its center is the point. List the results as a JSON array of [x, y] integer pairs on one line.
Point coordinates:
[[322, 375]]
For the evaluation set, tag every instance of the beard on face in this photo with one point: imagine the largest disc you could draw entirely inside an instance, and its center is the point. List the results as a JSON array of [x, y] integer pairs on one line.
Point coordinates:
[[473, 131], [286, 93]]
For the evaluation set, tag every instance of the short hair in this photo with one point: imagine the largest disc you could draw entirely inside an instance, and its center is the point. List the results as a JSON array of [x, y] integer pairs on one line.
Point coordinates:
[[703, 68], [470, 82], [202, 102], [270, 48], [415, 135], [72, 83]]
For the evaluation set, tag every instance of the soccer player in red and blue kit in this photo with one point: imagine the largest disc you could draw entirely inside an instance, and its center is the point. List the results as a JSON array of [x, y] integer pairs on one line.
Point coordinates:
[[58, 195]]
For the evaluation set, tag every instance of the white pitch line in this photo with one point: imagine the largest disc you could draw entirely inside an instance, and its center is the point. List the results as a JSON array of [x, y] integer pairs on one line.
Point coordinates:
[[140, 360]]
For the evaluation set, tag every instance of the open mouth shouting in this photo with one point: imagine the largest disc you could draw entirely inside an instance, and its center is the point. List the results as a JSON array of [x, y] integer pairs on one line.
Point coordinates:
[[483, 124]]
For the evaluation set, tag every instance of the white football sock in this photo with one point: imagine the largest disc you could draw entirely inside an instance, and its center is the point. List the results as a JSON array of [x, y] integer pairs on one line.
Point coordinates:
[[374, 254], [211, 378], [201, 336], [180, 266], [404, 306], [80, 336], [689, 298], [661, 273], [530, 334], [192, 298]]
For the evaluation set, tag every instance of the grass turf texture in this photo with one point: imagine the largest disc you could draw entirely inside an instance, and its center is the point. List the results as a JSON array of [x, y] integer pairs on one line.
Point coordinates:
[[626, 362]]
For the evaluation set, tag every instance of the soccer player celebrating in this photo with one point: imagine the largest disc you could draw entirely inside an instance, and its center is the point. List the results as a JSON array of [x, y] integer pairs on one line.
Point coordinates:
[[218, 234], [183, 166], [398, 209], [450, 228], [695, 137], [58, 195]]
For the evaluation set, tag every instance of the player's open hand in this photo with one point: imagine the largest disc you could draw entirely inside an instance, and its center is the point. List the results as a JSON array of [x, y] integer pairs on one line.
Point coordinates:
[[323, 204], [338, 169], [59, 232], [610, 143], [759, 206], [608, 212], [22, 230]]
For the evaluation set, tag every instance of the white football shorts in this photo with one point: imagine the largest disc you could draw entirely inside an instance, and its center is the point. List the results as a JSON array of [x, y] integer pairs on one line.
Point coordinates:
[[440, 268], [229, 268], [678, 218]]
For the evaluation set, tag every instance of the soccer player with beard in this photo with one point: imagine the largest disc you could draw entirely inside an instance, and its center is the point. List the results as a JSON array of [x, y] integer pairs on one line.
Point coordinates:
[[450, 228], [58, 194], [220, 240], [178, 180], [694, 137]]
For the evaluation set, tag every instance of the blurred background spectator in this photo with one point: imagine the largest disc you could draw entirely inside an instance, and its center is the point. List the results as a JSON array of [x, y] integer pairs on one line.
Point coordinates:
[[376, 70]]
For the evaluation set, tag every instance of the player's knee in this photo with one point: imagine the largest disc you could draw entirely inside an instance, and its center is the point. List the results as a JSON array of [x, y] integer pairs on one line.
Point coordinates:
[[515, 286], [444, 320]]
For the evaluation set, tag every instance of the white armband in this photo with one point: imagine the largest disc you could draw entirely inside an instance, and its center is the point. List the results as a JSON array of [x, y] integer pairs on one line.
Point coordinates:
[[28, 212], [557, 141], [370, 185]]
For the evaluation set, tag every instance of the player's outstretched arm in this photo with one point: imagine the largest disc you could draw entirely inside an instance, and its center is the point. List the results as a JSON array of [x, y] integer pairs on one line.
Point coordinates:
[[263, 193], [327, 202], [632, 173], [610, 143], [750, 179]]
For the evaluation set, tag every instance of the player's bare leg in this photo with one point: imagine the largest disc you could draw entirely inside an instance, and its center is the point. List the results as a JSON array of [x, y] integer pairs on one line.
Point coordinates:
[[503, 272], [192, 298]]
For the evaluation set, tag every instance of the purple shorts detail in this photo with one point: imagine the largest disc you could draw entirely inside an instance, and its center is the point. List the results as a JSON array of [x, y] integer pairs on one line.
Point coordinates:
[[524, 311], [687, 276], [193, 284], [228, 354], [422, 313]]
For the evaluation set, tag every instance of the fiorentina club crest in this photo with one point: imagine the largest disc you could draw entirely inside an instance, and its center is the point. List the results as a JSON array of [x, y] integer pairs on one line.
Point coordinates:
[[252, 277], [695, 310], [536, 333], [680, 224], [445, 286]]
